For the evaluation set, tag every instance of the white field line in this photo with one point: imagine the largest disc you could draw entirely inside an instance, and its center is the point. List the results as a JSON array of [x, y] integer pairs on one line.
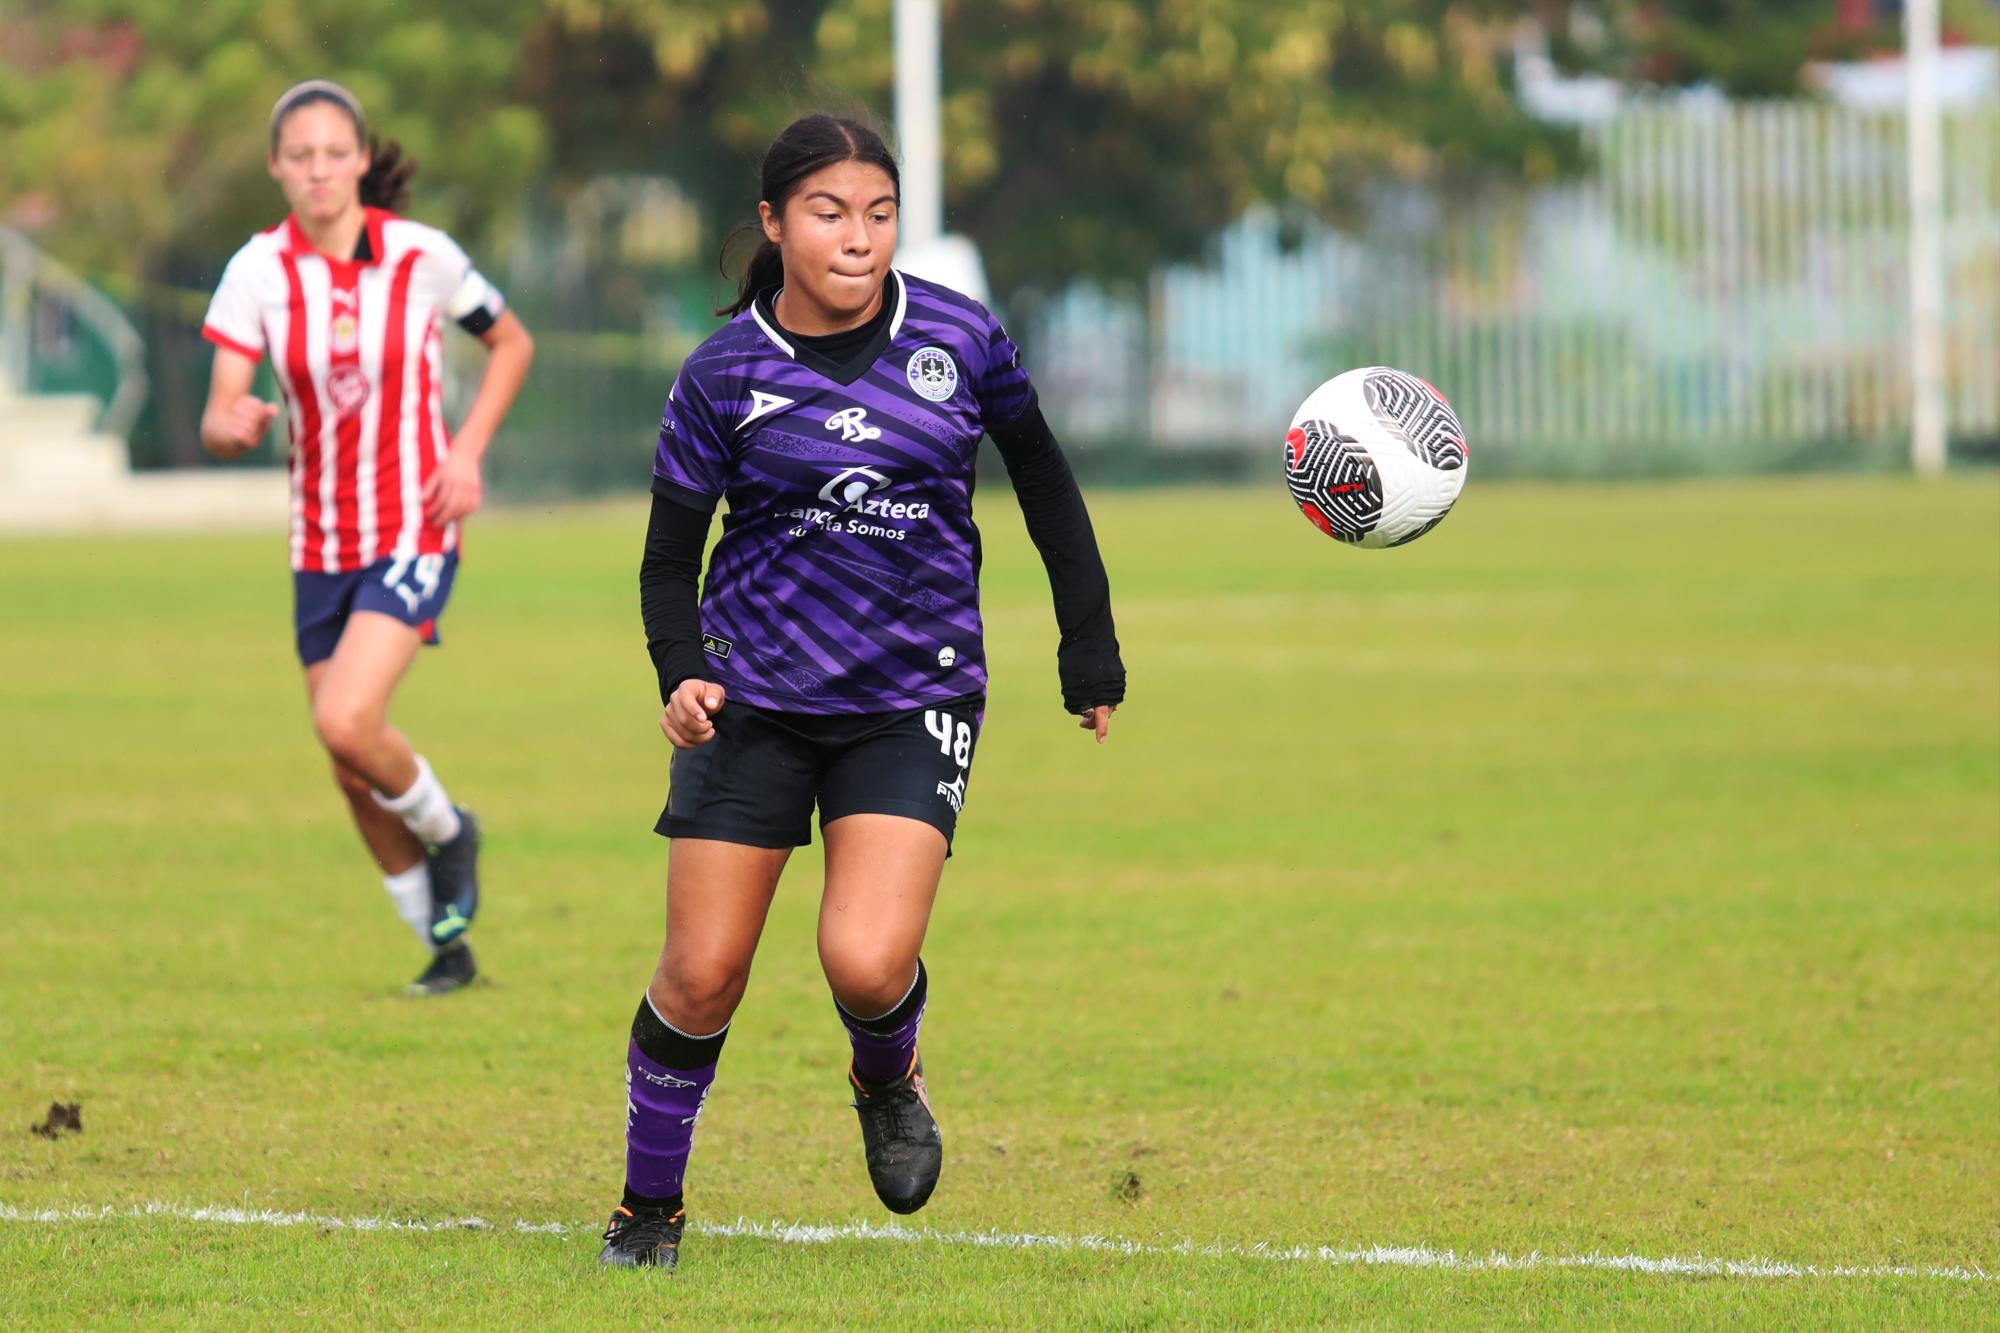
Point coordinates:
[[801, 1233]]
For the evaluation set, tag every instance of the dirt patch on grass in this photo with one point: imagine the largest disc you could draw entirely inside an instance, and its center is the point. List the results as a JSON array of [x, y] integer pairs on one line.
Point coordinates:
[[63, 1118]]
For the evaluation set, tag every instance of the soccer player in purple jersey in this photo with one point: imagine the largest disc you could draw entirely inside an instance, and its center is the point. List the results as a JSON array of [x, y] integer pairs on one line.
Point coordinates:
[[834, 656]]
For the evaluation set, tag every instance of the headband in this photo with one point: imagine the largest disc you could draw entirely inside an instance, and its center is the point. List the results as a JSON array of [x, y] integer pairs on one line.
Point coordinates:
[[312, 88]]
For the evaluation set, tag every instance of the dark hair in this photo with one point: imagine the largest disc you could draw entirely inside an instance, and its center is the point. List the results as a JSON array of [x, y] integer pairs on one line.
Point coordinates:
[[805, 146], [387, 181]]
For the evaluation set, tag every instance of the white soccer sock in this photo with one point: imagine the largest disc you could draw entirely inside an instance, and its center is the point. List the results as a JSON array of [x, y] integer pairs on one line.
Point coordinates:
[[410, 891], [425, 809]]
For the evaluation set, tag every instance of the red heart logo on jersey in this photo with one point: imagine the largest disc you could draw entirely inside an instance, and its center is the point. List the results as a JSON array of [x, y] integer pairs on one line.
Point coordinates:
[[348, 387]]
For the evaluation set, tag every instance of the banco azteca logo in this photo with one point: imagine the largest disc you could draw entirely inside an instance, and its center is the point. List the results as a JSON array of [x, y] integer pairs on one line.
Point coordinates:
[[852, 485], [853, 502]]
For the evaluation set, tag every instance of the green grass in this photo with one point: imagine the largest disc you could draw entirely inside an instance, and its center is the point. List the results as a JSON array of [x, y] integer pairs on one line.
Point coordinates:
[[1615, 870]]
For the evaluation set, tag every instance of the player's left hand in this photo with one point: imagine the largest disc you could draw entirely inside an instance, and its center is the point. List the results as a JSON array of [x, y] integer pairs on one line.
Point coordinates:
[[455, 490], [1098, 720]]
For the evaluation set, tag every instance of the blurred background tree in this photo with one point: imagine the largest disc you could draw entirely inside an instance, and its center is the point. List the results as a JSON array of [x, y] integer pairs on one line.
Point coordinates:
[[594, 153], [140, 125], [1085, 137], [1745, 48]]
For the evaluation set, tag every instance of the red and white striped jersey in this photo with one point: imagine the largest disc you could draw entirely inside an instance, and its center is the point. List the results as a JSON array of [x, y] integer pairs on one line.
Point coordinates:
[[358, 353]]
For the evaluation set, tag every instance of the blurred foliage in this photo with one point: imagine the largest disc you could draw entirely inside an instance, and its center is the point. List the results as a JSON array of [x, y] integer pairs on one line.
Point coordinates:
[[1745, 48], [140, 126], [1096, 137], [1084, 137]]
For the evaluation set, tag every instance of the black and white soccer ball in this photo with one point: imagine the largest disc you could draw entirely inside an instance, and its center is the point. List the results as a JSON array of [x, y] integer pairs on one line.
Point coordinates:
[[1375, 457]]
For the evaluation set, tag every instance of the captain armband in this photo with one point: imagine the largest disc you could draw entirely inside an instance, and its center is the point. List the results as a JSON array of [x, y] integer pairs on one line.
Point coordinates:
[[477, 304]]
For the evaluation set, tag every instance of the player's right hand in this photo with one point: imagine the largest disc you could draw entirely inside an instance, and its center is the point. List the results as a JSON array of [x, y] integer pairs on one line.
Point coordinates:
[[1098, 719], [686, 721], [244, 424]]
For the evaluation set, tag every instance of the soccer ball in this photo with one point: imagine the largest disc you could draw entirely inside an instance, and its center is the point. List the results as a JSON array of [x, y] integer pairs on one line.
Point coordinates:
[[1375, 457]]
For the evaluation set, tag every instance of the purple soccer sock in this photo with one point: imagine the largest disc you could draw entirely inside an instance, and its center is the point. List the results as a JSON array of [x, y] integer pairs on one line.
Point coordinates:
[[884, 1047], [667, 1077]]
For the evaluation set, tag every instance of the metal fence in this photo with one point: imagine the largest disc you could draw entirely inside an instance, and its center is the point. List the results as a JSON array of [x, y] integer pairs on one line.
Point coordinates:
[[58, 334], [1727, 287]]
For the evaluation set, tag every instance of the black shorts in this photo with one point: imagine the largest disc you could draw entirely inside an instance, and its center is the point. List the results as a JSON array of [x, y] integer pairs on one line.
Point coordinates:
[[757, 781]]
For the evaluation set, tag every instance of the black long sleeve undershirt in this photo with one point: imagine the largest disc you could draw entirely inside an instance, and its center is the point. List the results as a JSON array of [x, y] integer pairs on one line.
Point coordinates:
[[1087, 659], [669, 574]]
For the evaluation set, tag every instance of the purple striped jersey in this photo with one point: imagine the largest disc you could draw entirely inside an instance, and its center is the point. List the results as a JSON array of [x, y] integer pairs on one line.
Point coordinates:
[[847, 576]]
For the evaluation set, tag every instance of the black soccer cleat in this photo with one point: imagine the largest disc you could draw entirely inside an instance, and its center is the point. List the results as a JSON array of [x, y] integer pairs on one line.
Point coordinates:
[[454, 868], [900, 1135], [451, 969], [645, 1238]]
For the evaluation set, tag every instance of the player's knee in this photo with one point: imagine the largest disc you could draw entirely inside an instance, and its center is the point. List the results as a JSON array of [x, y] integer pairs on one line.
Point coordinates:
[[867, 980], [346, 731], [699, 996]]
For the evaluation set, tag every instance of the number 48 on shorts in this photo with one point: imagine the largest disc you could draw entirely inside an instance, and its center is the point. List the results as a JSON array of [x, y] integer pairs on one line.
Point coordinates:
[[954, 738]]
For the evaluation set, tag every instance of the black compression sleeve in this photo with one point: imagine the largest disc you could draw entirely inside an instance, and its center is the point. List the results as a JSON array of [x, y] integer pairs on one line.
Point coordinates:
[[668, 600], [1087, 661]]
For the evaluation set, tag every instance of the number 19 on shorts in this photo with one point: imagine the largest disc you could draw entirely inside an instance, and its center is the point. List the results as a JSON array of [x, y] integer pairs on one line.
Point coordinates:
[[414, 581]]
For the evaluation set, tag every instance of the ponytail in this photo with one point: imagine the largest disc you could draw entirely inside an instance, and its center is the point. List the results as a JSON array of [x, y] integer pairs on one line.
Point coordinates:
[[387, 184], [765, 269]]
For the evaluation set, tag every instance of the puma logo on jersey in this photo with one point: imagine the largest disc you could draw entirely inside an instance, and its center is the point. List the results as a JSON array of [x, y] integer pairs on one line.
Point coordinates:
[[852, 423]]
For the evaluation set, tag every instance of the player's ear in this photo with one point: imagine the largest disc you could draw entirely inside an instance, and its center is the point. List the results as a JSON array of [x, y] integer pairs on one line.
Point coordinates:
[[774, 228]]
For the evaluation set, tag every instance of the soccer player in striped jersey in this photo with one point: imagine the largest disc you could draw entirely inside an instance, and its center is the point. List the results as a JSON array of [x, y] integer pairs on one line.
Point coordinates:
[[835, 656], [348, 300]]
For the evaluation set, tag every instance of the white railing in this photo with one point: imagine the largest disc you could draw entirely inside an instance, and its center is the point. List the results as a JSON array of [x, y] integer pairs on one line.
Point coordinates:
[[36, 294], [1726, 281]]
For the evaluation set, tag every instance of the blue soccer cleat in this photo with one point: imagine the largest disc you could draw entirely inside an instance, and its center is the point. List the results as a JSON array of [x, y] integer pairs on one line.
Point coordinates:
[[454, 868]]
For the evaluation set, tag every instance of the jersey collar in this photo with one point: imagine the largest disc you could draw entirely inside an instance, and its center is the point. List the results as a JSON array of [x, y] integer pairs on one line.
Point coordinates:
[[368, 250], [843, 372]]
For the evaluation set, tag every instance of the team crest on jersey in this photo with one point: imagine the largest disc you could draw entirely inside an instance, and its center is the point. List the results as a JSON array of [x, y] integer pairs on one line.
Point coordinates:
[[347, 386], [933, 374], [346, 333]]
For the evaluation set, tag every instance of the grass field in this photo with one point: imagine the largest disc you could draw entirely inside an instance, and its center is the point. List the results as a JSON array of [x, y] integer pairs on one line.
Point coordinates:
[[1616, 871]]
